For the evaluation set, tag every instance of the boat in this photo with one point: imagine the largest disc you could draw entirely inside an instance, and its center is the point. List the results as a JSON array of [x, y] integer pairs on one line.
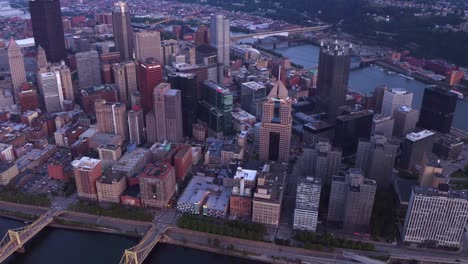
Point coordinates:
[[460, 95], [407, 77], [391, 72]]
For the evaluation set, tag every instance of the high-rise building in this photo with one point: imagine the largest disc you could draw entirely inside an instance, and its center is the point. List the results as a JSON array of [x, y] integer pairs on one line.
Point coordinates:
[[87, 64], [438, 106], [46, 21], [41, 58], [202, 35], [307, 203], [351, 201], [376, 157], [406, 119], [220, 39], [150, 74], [383, 125], [150, 121], [395, 98], [87, 171], [216, 107], [123, 33], [275, 131], [430, 174], [16, 63], [379, 92], [414, 146], [186, 83], [28, 98], [332, 80], [66, 80], [125, 79], [135, 125], [350, 128], [436, 217], [111, 117], [50, 85], [157, 185], [167, 105], [135, 99], [253, 95], [322, 161], [148, 45]]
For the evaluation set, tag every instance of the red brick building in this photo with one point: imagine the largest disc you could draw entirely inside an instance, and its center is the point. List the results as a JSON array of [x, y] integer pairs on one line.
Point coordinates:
[[240, 206], [183, 161]]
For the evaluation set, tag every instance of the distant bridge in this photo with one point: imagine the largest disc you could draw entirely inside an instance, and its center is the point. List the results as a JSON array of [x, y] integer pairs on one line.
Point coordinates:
[[15, 239], [286, 32]]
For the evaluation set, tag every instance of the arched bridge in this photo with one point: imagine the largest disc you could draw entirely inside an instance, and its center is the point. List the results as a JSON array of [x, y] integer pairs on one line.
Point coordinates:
[[286, 32], [138, 253], [15, 239]]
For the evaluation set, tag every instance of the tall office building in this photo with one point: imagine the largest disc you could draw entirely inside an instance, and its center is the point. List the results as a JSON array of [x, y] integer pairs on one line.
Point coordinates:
[[332, 80], [323, 161], [47, 26], [123, 33], [376, 157], [87, 171], [307, 203], [135, 99], [157, 185], [414, 146], [406, 119], [87, 64], [438, 106], [383, 125], [148, 45], [167, 105], [253, 95], [216, 107], [436, 217], [395, 98], [186, 83], [202, 35], [150, 74], [275, 130], [66, 80], [135, 125], [125, 79], [17, 70], [350, 128], [50, 85], [111, 117], [150, 121], [379, 92], [351, 201], [220, 39]]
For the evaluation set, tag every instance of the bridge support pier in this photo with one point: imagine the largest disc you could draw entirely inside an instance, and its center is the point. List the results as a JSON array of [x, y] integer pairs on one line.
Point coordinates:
[[131, 257]]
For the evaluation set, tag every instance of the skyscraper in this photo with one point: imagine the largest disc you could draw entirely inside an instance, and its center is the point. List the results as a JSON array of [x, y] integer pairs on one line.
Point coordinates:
[[350, 128], [332, 80], [87, 171], [220, 39], [16, 62], [383, 125], [414, 146], [395, 98], [87, 64], [186, 83], [215, 108], [148, 45], [167, 105], [351, 201], [135, 125], [111, 117], [322, 161], [275, 130], [66, 80], [150, 74], [307, 203], [46, 21], [201, 35], [125, 79], [123, 33], [437, 109], [378, 97], [376, 157], [50, 85], [406, 119]]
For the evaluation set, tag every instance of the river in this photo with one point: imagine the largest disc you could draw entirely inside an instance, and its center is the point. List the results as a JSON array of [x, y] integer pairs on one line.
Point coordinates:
[[54, 245]]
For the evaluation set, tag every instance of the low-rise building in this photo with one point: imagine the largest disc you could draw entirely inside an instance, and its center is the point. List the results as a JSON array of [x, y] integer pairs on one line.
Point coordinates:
[[157, 185], [35, 157], [8, 171], [132, 163], [110, 186], [109, 153], [87, 171], [6, 152], [222, 152]]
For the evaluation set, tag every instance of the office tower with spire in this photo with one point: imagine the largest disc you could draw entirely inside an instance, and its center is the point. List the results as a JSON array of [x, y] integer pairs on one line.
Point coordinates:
[[135, 125], [125, 79], [47, 26], [376, 158], [111, 117], [150, 75], [332, 80], [395, 98], [148, 45], [437, 109], [123, 33], [323, 161], [16, 63], [167, 105], [186, 83], [87, 64], [220, 39], [276, 127]]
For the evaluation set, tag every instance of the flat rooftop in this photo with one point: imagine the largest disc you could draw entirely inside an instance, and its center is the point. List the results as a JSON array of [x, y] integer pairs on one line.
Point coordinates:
[[254, 85], [85, 163], [416, 136], [111, 177], [248, 175]]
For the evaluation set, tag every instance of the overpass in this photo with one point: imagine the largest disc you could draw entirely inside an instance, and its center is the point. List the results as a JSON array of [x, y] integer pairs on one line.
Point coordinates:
[[286, 32], [15, 239], [138, 253]]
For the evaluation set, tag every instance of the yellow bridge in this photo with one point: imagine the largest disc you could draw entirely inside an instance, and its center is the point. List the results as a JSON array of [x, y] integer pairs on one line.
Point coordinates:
[[15, 239], [138, 253], [286, 32]]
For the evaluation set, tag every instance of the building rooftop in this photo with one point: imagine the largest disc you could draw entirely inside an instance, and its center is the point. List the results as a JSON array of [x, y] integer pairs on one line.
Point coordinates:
[[405, 109], [85, 163], [270, 183], [155, 170], [248, 175], [442, 191], [109, 146], [111, 176], [399, 91], [416, 136], [317, 126], [4, 166], [354, 115], [217, 87], [200, 187], [253, 85], [4, 146], [97, 89]]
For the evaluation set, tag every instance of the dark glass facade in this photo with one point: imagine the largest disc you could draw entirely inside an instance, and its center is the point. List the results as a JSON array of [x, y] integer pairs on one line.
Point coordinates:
[[437, 109], [216, 107], [186, 83]]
